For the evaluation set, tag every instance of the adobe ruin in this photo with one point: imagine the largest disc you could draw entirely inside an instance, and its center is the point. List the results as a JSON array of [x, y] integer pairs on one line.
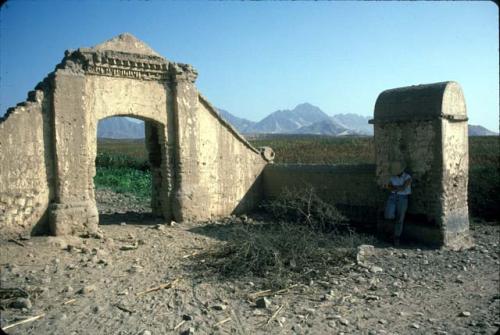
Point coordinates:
[[201, 167]]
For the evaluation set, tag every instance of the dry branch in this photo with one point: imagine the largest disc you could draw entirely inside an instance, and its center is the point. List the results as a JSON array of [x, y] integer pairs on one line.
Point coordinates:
[[16, 242], [33, 318], [157, 288], [222, 322], [267, 293], [179, 324], [275, 314]]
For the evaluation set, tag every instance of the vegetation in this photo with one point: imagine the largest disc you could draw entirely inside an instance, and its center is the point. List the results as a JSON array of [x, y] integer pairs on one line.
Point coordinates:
[[124, 180], [315, 149], [304, 207], [280, 253]]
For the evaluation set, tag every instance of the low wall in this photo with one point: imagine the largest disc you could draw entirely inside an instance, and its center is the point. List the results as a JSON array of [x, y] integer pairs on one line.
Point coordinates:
[[351, 188]]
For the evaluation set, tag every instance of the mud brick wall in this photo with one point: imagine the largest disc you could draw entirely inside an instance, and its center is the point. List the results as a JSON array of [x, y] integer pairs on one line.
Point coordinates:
[[351, 188], [25, 167]]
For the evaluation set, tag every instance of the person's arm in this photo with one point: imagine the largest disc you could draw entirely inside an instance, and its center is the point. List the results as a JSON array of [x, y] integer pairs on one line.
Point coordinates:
[[406, 184]]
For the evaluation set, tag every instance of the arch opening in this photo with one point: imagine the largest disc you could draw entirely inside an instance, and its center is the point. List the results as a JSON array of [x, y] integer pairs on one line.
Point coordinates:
[[128, 179]]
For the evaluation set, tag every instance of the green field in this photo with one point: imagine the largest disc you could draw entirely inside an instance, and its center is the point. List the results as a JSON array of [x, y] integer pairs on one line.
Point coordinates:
[[123, 166]]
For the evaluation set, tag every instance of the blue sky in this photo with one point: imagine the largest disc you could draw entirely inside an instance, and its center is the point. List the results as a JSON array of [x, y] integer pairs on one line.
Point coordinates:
[[256, 57]]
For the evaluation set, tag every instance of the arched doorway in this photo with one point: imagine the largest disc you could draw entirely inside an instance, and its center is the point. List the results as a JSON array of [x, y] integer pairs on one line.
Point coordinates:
[[130, 183]]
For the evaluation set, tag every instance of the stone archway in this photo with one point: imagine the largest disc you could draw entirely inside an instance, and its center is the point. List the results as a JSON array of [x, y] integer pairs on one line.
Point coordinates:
[[202, 167]]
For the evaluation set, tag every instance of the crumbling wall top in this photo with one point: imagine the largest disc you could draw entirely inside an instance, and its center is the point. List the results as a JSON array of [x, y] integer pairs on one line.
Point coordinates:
[[418, 102]]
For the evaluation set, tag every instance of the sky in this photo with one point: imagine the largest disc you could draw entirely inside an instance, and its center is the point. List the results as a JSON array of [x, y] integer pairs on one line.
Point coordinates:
[[254, 58]]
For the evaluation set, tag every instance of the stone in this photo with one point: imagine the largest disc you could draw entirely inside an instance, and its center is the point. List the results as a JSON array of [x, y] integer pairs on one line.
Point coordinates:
[[262, 302], [376, 269], [86, 289], [465, 314], [187, 317], [415, 325], [343, 321], [189, 331], [145, 332], [219, 307], [21, 303]]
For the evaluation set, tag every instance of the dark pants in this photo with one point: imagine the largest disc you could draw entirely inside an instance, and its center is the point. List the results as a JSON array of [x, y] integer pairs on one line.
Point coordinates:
[[396, 209]]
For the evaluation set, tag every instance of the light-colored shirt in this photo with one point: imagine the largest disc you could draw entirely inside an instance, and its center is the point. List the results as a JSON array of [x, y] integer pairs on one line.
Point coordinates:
[[399, 181]]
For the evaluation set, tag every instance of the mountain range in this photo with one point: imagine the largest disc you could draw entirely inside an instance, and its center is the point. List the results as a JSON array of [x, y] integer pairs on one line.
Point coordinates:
[[303, 119]]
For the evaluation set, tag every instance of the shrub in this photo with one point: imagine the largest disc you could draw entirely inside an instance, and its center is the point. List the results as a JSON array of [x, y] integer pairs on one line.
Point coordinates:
[[124, 180], [281, 253], [109, 160], [303, 206]]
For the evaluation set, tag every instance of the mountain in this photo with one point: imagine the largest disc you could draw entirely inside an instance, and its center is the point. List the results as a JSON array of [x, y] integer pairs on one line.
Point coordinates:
[[326, 127], [287, 121], [242, 125], [120, 128], [480, 131], [357, 123]]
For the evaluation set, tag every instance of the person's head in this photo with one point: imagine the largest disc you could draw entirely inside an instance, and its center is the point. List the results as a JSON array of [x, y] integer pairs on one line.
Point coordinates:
[[396, 168]]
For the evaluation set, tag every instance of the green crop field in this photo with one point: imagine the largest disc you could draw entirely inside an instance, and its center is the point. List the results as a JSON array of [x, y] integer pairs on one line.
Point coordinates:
[[122, 165]]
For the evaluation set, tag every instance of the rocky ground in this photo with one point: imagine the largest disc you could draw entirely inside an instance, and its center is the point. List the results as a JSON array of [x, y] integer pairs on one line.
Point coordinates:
[[140, 278]]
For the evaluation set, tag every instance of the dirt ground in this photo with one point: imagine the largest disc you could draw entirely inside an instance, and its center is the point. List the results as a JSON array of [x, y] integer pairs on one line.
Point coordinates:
[[100, 286]]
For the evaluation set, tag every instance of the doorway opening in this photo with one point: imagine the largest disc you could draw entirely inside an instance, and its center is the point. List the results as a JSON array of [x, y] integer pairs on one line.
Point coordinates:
[[127, 180]]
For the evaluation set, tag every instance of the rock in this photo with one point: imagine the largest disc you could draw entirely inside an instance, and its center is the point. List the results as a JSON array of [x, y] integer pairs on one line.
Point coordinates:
[[160, 227], [123, 223], [364, 251], [135, 269], [172, 223], [262, 302], [21, 303], [382, 321], [343, 321], [96, 309], [87, 289], [465, 314], [376, 269], [129, 246], [219, 307], [415, 325], [189, 331], [68, 289], [326, 297], [145, 332], [310, 310], [332, 324], [187, 317]]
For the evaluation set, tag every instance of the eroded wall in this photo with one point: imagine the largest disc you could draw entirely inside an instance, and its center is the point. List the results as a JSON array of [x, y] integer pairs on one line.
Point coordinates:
[[218, 171], [351, 188], [25, 167], [425, 128]]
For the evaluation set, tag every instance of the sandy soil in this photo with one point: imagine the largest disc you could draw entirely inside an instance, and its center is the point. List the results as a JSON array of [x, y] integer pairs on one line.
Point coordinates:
[[99, 286]]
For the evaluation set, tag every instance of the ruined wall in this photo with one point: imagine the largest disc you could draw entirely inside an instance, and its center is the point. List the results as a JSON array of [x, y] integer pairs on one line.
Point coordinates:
[[455, 165], [218, 170], [425, 128], [351, 188], [201, 166], [25, 166]]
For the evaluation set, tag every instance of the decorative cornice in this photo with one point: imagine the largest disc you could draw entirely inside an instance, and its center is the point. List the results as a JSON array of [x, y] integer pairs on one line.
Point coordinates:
[[126, 65]]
